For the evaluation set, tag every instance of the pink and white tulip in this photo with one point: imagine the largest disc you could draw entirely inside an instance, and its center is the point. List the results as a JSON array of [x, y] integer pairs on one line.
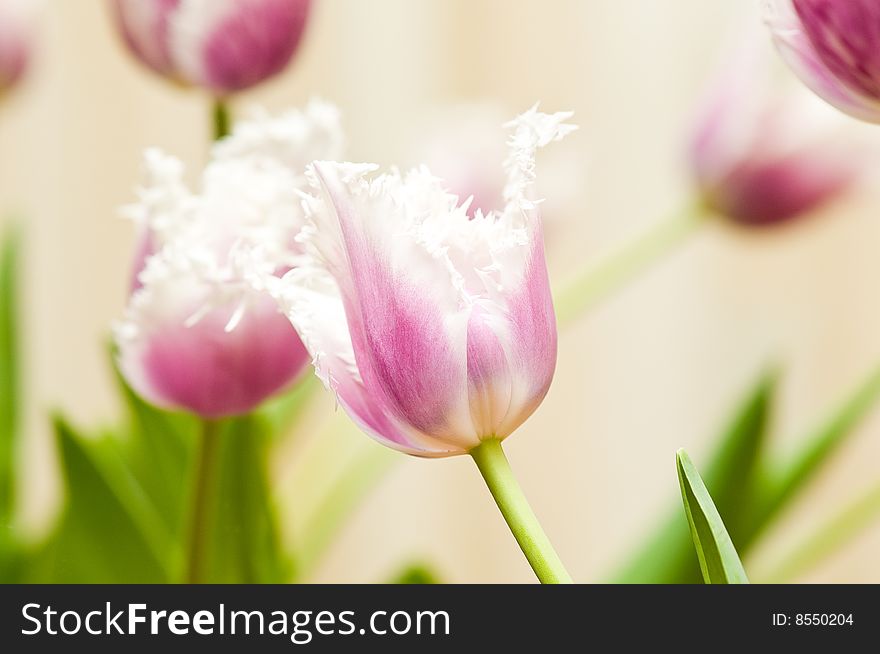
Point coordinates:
[[762, 154], [220, 45], [435, 328], [16, 39], [201, 332], [834, 47]]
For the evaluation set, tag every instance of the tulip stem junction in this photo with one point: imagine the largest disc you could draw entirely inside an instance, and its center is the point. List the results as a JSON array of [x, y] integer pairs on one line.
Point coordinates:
[[598, 280], [222, 120], [206, 467], [493, 465]]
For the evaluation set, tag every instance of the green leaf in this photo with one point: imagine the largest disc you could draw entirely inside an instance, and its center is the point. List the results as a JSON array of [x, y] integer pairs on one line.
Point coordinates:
[[159, 447], [733, 475], [831, 536], [786, 480], [416, 573], [108, 532], [719, 561], [9, 380], [244, 544]]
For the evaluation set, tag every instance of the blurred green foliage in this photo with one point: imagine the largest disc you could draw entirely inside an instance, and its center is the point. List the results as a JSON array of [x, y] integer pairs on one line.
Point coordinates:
[[416, 573], [733, 477], [9, 402], [750, 486]]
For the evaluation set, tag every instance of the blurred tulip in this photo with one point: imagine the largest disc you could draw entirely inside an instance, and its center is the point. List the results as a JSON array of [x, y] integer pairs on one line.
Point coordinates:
[[16, 39], [762, 155], [200, 332], [463, 146], [435, 329], [220, 45], [834, 47]]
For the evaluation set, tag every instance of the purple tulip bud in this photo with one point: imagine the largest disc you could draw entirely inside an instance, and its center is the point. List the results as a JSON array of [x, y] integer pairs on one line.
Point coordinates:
[[761, 155], [834, 47], [221, 45]]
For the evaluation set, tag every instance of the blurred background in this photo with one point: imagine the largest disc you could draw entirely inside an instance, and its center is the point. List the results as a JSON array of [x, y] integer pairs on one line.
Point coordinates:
[[658, 366]]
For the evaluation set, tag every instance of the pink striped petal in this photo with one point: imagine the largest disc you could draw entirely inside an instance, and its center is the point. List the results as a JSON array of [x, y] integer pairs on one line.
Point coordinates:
[[206, 368], [408, 351], [145, 25], [253, 42]]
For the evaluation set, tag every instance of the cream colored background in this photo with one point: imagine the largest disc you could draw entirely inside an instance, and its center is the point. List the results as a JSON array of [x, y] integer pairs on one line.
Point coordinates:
[[658, 367]]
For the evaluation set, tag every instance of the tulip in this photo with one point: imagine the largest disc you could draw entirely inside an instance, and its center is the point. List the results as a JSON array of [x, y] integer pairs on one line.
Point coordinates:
[[16, 40], [761, 155], [223, 46], [435, 329], [834, 47], [201, 332]]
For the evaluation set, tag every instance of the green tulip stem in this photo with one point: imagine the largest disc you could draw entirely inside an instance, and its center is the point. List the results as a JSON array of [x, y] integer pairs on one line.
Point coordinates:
[[599, 279], [206, 469], [493, 465], [222, 119]]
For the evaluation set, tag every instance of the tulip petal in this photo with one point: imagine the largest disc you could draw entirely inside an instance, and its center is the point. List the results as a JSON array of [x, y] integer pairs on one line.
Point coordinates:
[[231, 45], [408, 341], [533, 326], [144, 27], [313, 303], [800, 53], [201, 365]]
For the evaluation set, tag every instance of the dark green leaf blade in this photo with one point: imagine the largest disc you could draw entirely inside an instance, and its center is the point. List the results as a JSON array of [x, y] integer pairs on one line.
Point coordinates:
[[108, 531], [787, 479], [718, 559], [733, 475], [159, 449]]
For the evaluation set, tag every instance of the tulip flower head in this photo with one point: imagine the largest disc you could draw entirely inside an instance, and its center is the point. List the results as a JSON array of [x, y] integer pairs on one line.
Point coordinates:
[[201, 332], [434, 328], [220, 45], [762, 155], [834, 47], [16, 39]]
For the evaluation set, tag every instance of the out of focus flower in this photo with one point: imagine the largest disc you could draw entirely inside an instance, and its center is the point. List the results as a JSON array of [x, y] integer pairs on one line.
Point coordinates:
[[762, 155], [434, 328], [201, 332], [834, 47], [463, 146], [16, 39], [221, 45]]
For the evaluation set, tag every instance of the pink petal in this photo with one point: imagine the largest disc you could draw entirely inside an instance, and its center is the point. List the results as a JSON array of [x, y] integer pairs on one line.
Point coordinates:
[[405, 352], [213, 372], [144, 25], [254, 42]]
